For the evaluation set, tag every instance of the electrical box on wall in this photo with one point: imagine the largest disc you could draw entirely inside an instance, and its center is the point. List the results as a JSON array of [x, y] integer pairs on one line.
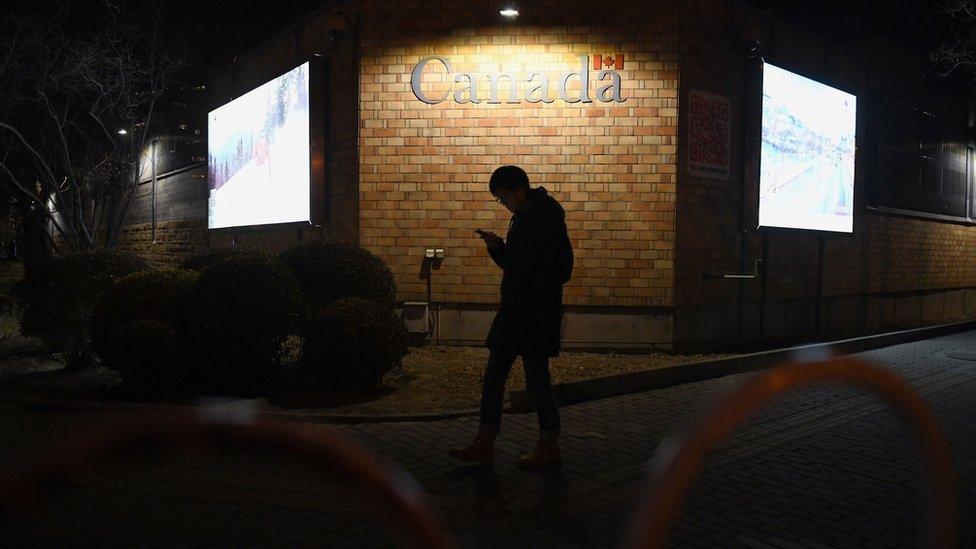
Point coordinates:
[[416, 317]]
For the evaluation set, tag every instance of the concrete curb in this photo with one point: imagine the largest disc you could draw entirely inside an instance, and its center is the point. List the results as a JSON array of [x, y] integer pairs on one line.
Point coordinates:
[[566, 393], [242, 408], [635, 382]]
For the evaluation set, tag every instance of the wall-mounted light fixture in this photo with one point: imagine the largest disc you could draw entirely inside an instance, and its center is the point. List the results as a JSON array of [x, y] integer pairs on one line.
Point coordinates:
[[750, 29], [509, 12], [337, 24]]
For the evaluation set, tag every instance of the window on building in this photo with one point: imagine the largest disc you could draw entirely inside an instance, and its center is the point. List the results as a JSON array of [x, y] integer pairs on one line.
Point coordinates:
[[923, 162]]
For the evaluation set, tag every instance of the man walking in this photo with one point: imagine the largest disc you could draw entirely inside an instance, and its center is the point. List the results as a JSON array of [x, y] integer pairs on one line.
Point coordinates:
[[536, 260]]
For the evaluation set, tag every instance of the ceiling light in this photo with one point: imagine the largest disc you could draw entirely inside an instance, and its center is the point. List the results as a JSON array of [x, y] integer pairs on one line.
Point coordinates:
[[509, 12]]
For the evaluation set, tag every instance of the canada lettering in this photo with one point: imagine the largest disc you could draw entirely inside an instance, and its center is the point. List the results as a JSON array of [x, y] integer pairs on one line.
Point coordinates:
[[465, 85]]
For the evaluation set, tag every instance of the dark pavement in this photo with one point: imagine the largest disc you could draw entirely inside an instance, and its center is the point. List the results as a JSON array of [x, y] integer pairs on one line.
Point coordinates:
[[828, 466]]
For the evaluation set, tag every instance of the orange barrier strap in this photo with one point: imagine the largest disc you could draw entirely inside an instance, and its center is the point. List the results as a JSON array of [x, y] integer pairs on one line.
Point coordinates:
[[680, 464], [396, 500]]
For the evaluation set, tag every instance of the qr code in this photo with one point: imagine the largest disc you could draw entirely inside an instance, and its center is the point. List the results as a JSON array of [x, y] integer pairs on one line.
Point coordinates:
[[708, 131]]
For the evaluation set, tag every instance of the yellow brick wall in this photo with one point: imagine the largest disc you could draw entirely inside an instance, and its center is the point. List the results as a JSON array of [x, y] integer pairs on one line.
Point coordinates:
[[424, 169], [405, 175]]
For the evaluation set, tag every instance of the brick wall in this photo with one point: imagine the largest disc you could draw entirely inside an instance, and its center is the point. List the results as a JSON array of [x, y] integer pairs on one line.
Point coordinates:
[[181, 218], [708, 217], [404, 175], [175, 242], [893, 272], [425, 168]]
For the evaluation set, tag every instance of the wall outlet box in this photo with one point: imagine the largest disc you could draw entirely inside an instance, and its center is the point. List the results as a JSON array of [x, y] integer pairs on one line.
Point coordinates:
[[416, 317]]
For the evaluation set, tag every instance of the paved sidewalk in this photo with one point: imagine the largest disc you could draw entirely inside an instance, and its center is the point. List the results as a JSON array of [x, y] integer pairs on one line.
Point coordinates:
[[826, 466]]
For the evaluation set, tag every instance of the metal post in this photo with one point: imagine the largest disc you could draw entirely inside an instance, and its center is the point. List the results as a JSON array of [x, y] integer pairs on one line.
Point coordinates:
[[153, 189]]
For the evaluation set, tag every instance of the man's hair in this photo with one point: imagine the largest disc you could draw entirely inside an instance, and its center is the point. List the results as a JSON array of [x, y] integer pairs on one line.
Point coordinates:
[[509, 178]]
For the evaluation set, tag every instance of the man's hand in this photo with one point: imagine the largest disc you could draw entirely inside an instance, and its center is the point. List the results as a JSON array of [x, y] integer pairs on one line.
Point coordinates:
[[491, 239]]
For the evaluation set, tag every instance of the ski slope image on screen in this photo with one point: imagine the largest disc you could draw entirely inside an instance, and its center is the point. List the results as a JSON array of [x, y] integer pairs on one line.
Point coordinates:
[[258, 155], [806, 178]]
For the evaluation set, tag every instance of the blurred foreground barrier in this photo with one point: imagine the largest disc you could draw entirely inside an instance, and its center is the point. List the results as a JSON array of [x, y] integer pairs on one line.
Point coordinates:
[[678, 465], [396, 500]]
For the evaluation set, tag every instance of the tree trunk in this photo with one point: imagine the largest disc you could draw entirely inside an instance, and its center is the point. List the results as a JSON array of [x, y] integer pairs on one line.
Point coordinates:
[[36, 245]]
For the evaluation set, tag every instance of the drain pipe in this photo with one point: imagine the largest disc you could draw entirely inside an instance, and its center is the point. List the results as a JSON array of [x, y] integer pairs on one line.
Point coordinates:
[[750, 38]]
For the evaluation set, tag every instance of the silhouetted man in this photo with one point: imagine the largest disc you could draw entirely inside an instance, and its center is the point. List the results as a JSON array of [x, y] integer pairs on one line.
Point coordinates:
[[536, 260]]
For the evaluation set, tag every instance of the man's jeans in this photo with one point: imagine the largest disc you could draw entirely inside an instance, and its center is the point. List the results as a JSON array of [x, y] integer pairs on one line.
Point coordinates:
[[537, 383]]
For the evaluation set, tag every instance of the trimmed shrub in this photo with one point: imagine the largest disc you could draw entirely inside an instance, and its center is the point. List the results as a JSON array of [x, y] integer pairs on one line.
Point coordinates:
[[59, 295], [150, 356], [205, 259], [237, 315], [351, 344], [328, 270], [147, 295]]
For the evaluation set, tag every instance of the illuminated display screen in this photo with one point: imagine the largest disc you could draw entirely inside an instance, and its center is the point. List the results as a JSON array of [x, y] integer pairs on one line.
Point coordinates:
[[258, 155], [806, 176]]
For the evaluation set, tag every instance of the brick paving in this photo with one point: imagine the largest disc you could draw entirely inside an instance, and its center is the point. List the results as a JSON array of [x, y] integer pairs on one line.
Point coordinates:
[[827, 466]]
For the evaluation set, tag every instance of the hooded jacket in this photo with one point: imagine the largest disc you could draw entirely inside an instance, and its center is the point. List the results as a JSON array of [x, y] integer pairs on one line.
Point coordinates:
[[536, 260]]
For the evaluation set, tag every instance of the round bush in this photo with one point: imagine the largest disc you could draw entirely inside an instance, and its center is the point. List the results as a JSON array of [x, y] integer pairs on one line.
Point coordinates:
[[201, 261], [328, 271], [237, 315], [150, 356], [59, 295], [157, 294], [352, 343]]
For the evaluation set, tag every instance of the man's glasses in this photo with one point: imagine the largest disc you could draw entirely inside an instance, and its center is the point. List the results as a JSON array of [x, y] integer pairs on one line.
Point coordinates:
[[501, 199]]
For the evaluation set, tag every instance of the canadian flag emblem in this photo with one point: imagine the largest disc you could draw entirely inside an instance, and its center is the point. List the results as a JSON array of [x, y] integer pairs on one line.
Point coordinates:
[[601, 61]]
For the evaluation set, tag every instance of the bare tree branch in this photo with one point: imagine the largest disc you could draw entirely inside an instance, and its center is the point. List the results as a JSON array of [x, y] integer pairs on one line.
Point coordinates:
[[960, 52], [37, 156], [71, 75]]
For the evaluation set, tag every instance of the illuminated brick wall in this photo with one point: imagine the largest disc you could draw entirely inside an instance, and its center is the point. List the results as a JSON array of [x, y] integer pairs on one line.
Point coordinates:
[[424, 169], [405, 175]]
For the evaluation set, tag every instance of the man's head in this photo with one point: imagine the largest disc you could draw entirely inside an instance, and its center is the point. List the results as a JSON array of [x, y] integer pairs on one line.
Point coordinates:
[[510, 187]]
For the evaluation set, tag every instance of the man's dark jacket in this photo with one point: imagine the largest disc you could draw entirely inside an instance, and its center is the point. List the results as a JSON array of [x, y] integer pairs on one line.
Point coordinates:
[[536, 260]]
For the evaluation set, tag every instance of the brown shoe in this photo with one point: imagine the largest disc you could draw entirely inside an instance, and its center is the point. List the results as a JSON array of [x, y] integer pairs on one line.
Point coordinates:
[[481, 451], [546, 454]]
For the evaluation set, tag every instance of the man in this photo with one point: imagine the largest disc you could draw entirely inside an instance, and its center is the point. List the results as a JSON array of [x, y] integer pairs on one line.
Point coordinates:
[[536, 260]]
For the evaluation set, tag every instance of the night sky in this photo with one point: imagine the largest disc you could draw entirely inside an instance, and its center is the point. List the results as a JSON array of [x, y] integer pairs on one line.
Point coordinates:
[[219, 32]]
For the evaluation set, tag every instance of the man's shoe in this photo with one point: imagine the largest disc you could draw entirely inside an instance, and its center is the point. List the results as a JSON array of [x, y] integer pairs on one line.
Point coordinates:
[[545, 455], [481, 451]]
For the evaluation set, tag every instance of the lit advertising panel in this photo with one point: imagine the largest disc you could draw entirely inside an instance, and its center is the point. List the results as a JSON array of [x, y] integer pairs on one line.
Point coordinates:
[[258, 149], [806, 176]]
